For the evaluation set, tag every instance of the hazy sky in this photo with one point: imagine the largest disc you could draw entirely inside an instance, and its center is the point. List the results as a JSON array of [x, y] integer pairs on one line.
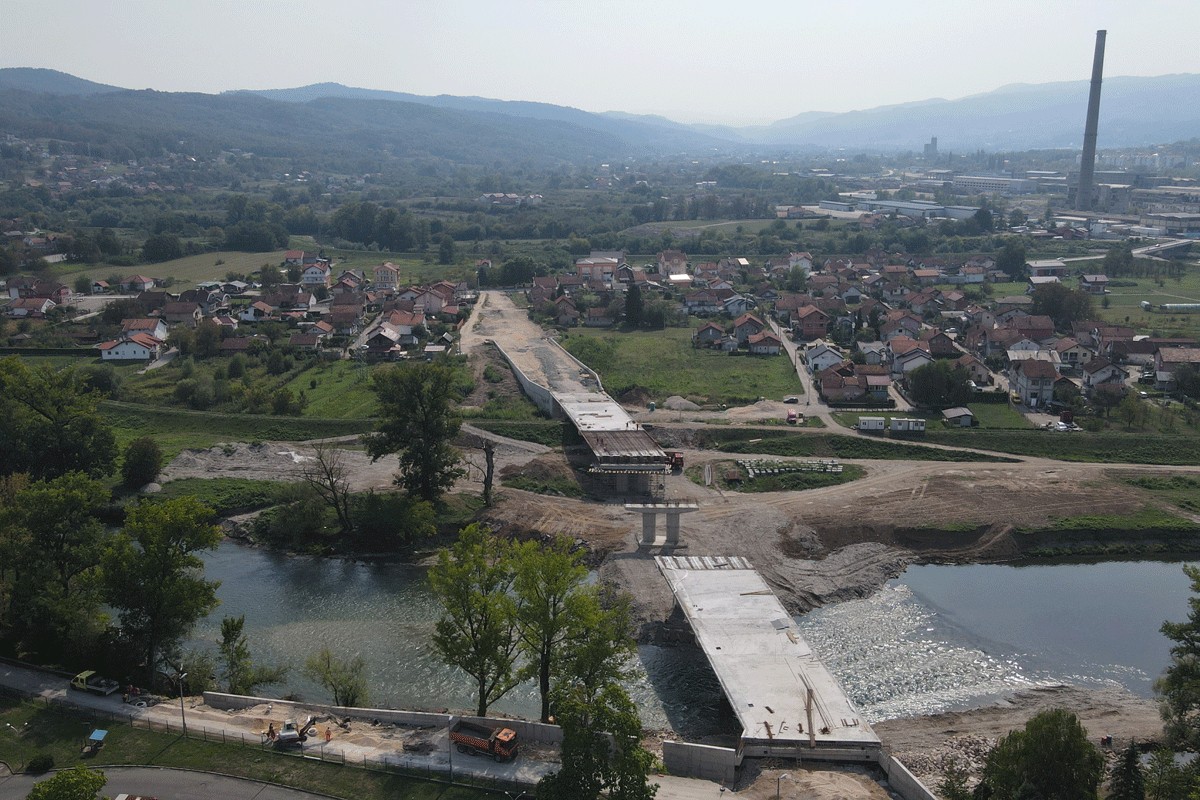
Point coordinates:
[[691, 60]]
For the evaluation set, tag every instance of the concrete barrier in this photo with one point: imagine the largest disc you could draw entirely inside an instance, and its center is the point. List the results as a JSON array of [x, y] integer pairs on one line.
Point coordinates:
[[703, 761], [224, 701], [540, 395], [903, 782]]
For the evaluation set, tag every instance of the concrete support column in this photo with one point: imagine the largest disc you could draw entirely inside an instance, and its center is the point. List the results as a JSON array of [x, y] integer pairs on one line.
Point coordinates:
[[672, 527], [650, 526]]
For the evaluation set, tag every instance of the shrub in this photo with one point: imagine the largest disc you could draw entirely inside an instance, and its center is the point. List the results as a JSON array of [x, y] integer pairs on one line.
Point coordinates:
[[42, 762], [143, 462]]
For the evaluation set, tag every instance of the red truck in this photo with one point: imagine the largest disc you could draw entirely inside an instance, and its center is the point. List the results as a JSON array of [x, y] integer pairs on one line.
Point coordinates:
[[499, 743], [676, 460]]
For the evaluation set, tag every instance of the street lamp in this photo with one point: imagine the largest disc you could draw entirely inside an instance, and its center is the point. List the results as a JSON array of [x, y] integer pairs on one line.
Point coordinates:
[[182, 714], [777, 780]]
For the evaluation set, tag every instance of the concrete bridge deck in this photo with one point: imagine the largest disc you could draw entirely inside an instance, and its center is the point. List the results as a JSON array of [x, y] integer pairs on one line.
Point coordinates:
[[785, 699]]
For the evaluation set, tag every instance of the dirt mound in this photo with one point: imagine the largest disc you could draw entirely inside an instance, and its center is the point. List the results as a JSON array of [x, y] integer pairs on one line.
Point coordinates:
[[677, 403], [551, 467], [635, 396]]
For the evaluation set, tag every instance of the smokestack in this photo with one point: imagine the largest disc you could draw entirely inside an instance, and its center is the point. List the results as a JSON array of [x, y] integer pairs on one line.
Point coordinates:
[[1087, 167]]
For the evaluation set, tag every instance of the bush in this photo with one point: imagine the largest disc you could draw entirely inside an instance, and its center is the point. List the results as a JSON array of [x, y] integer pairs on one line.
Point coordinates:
[[143, 462], [42, 762]]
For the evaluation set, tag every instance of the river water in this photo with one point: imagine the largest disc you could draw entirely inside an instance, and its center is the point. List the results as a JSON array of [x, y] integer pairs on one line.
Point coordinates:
[[945, 637], [937, 638], [294, 606]]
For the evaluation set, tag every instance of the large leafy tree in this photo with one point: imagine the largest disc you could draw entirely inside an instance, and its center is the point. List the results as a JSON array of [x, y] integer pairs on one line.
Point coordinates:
[[345, 680], [419, 423], [1051, 758], [1179, 687], [155, 578], [56, 544], [553, 605], [1126, 781], [76, 783], [1062, 304], [49, 424], [939, 385], [591, 704], [478, 630], [1011, 259]]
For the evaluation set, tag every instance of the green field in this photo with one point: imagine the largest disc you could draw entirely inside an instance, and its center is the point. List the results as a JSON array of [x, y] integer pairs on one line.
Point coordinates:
[[343, 390], [178, 429], [664, 363], [1111, 447], [787, 443], [187, 270], [989, 416], [59, 733]]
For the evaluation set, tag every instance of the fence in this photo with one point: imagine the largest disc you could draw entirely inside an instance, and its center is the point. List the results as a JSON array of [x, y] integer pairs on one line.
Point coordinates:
[[429, 765]]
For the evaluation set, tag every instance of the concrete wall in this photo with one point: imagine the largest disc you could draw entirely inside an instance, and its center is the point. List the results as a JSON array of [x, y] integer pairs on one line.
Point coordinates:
[[285, 708], [903, 782], [701, 761], [526, 731], [540, 395]]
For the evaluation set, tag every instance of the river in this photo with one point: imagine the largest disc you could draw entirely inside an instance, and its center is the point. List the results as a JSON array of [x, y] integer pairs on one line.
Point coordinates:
[[937, 638], [294, 606], [945, 637]]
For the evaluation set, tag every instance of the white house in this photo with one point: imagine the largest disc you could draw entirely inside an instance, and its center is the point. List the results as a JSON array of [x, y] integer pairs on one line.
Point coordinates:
[[822, 356], [315, 275], [136, 347]]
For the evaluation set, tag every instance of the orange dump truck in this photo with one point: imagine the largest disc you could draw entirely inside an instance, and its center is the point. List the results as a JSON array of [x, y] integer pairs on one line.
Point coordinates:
[[499, 743]]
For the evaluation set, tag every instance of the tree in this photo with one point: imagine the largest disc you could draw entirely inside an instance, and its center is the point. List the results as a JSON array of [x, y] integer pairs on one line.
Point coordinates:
[[418, 424], [939, 385], [590, 703], [155, 579], [549, 582], [478, 630], [76, 783], [329, 477], [162, 247], [1062, 304], [241, 674], [953, 785], [142, 463], [446, 249], [56, 543], [83, 285], [633, 305], [1126, 781], [1011, 259], [49, 423], [1179, 687], [1051, 758], [1164, 779], [346, 680]]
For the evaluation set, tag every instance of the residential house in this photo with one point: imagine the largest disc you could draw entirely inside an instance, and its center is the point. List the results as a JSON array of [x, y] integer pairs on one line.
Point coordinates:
[[1100, 372], [154, 327], [316, 275], [596, 269], [209, 300], [293, 258], [430, 302], [234, 287], [821, 356], [137, 283], [566, 313], [1033, 381], [1048, 268], [765, 344], [304, 341], [182, 313], [747, 325], [1093, 284], [672, 262], [703, 301], [907, 354], [1035, 282], [134, 347], [1071, 353], [598, 317], [256, 312], [30, 307], [939, 344], [1169, 359], [809, 323], [707, 335], [958, 417], [874, 353], [736, 305], [100, 287], [346, 320], [977, 371], [927, 277]]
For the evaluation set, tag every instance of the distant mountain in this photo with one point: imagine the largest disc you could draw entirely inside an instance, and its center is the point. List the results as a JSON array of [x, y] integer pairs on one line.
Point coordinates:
[[642, 132], [1133, 112], [50, 81]]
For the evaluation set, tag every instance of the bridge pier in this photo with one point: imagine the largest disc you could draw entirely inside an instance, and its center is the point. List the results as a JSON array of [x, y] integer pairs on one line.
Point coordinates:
[[650, 513]]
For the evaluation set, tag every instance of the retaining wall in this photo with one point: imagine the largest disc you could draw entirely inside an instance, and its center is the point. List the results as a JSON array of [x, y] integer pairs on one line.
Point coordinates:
[[539, 394], [526, 731], [903, 782], [701, 761], [595, 375]]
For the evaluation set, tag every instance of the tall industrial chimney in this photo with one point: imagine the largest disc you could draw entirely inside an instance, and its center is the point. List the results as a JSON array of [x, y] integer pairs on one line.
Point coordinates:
[[1087, 167]]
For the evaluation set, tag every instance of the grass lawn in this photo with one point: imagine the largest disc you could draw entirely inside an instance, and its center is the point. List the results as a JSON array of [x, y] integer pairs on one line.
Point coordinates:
[[998, 415], [664, 363], [1180, 490], [227, 495], [989, 415], [59, 732], [783, 482], [178, 429], [343, 390], [187, 271]]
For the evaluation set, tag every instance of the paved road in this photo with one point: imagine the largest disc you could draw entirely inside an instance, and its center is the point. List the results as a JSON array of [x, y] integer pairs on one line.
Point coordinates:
[[168, 783]]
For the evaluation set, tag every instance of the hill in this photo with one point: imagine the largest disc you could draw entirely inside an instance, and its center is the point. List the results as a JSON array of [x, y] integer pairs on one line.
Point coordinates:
[[50, 81]]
